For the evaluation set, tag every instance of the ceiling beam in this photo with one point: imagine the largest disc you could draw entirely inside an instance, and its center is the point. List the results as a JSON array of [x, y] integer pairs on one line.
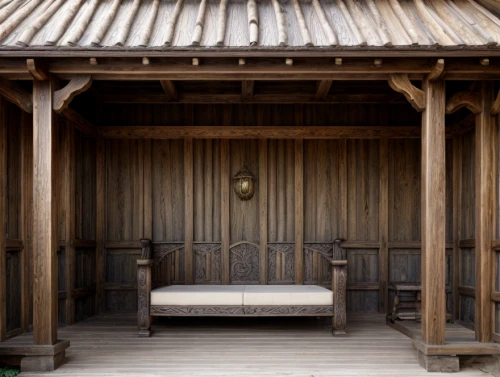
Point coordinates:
[[169, 89], [80, 123], [256, 98], [323, 88]]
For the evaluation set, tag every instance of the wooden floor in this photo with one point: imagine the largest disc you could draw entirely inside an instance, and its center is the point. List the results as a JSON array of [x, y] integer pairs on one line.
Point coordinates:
[[107, 345]]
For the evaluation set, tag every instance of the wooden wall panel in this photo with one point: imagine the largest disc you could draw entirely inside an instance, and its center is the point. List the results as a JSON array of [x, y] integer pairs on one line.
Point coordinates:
[[13, 289], [281, 192], [322, 215], [244, 214], [13, 119], [85, 187], [124, 190], [363, 190], [207, 190], [168, 190], [468, 186], [404, 190]]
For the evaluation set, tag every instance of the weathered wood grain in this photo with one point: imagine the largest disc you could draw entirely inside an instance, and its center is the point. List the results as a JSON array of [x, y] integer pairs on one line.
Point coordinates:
[[224, 202], [384, 226], [486, 135], [44, 216], [433, 214], [188, 210], [263, 210], [100, 223], [3, 221], [299, 211]]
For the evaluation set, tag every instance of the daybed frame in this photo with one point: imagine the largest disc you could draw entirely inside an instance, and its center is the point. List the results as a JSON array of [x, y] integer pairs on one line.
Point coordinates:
[[154, 252]]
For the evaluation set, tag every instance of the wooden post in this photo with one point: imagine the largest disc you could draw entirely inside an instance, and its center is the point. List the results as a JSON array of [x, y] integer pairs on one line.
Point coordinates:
[[44, 216], [485, 139], [100, 232], [299, 211], [433, 214], [68, 198], [3, 220]]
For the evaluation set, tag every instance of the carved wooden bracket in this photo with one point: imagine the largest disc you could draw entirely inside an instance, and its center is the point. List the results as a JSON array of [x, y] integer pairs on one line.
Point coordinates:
[[38, 69], [437, 71], [495, 108], [401, 84], [64, 96], [12, 92], [469, 100]]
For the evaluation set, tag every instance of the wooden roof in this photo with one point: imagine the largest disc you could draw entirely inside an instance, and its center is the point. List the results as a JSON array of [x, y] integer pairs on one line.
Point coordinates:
[[126, 24]]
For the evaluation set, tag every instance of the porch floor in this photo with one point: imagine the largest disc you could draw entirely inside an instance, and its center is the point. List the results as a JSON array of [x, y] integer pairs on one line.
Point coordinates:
[[107, 345]]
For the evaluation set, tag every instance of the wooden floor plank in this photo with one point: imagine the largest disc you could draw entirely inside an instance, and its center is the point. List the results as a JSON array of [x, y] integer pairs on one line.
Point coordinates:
[[107, 346]]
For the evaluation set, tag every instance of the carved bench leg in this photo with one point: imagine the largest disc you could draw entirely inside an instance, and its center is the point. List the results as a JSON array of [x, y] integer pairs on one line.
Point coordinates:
[[143, 297], [339, 288]]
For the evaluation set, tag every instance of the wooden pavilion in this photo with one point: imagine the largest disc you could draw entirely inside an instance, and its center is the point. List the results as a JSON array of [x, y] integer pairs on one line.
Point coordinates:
[[370, 121]]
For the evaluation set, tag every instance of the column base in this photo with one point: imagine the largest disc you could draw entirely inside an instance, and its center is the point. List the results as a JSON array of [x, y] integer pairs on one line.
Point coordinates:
[[43, 363], [446, 364], [36, 358]]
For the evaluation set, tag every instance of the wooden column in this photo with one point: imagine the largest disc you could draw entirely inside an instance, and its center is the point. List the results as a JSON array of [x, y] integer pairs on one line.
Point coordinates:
[[44, 216], [433, 213], [3, 221], [485, 144], [100, 232], [299, 211], [189, 211], [68, 198]]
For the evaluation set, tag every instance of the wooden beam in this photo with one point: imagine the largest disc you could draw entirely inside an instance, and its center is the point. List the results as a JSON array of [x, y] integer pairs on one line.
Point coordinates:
[[64, 96], [384, 226], [323, 88], [485, 145], [470, 100], [44, 216], [495, 107], [258, 132], [100, 230], [69, 203], [12, 92], [247, 96], [247, 87], [401, 84], [263, 254], [80, 123], [225, 170], [189, 211], [38, 69], [437, 71], [299, 211], [433, 213], [169, 89], [3, 220]]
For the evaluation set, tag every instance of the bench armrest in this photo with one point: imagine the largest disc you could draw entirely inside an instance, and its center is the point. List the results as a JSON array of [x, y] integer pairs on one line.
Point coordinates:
[[144, 296]]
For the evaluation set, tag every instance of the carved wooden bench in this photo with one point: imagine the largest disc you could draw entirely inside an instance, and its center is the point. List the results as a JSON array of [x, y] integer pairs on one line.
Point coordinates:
[[160, 294]]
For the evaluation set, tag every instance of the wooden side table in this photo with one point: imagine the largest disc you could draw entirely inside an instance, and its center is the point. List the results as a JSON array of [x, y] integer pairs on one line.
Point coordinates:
[[408, 301]]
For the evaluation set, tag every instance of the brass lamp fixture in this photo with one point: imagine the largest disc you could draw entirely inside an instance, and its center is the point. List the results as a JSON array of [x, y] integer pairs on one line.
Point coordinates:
[[244, 184]]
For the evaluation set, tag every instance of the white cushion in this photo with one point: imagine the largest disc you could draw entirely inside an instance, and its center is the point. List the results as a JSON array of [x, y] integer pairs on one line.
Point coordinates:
[[205, 295], [287, 295]]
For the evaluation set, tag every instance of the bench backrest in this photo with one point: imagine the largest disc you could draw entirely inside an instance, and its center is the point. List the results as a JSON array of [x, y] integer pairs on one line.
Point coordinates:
[[245, 262]]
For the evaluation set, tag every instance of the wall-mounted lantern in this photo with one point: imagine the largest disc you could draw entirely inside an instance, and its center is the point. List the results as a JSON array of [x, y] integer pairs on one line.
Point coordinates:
[[244, 183]]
